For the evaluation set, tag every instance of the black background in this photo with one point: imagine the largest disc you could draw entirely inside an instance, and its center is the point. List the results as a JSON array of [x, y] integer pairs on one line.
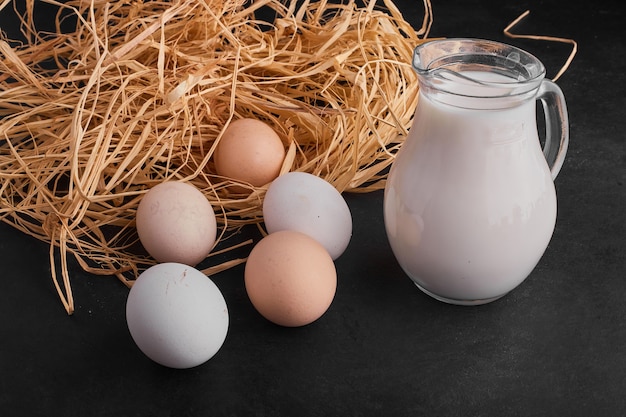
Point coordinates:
[[556, 345]]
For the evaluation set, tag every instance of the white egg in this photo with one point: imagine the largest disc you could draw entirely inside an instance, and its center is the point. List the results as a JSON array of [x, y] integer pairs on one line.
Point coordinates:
[[309, 204], [176, 315]]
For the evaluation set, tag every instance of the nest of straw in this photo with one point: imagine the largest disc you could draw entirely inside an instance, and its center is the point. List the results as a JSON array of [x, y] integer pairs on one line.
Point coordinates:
[[136, 93]]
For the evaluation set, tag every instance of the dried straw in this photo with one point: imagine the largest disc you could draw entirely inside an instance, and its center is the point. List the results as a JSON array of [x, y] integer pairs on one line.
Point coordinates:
[[140, 92], [570, 58]]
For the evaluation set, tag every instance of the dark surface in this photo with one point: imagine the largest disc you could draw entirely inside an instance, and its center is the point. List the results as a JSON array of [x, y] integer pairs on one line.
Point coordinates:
[[554, 346]]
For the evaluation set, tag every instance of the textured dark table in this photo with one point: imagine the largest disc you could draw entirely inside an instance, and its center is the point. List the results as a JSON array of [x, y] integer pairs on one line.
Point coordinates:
[[554, 346]]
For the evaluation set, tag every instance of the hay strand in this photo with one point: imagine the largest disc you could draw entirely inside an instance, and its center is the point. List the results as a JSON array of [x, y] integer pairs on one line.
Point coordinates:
[[572, 54]]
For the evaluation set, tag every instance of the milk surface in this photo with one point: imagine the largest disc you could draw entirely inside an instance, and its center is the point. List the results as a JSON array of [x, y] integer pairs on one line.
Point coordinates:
[[470, 204]]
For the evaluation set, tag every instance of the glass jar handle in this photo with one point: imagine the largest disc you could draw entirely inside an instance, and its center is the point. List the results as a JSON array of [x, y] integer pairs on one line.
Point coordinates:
[[557, 126]]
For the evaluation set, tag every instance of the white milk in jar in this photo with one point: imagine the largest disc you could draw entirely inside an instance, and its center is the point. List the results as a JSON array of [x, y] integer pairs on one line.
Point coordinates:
[[470, 204]]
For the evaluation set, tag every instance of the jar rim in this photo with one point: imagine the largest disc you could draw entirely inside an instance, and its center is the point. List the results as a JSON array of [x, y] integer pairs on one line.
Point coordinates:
[[477, 68], [459, 55]]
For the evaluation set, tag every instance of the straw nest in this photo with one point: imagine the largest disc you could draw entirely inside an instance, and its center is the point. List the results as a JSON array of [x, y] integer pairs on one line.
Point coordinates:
[[136, 93]]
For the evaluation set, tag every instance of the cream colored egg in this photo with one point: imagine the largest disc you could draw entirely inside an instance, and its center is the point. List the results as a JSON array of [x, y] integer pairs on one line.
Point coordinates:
[[290, 278], [176, 315], [250, 152], [176, 223]]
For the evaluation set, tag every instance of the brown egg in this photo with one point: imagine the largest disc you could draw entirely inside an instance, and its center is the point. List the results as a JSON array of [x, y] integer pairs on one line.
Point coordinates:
[[249, 151], [290, 278]]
